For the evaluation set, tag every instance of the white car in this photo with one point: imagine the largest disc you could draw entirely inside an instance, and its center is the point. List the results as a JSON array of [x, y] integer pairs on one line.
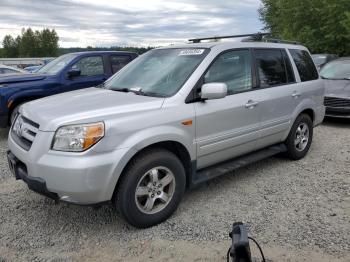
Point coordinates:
[[8, 70]]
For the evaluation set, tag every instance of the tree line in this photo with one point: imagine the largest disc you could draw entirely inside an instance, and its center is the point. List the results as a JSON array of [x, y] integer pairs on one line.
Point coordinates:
[[44, 43], [321, 25], [31, 43]]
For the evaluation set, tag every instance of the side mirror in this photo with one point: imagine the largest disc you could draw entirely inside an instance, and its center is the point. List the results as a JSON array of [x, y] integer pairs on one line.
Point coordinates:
[[213, 91], [73, 73]]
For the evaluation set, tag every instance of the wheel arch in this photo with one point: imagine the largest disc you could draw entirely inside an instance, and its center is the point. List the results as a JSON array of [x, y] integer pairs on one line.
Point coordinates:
[[173, 146], [14, 101]]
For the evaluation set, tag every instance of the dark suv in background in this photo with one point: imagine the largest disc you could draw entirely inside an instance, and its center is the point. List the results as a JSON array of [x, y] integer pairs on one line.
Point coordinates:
[[65, 73]]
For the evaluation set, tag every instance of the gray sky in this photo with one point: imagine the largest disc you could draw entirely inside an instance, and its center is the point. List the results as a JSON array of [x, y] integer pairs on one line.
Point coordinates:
[[132, 22]]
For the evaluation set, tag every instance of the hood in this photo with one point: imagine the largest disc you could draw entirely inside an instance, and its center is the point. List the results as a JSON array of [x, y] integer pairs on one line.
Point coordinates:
[[9, 79], [86, 106], [337, 88]]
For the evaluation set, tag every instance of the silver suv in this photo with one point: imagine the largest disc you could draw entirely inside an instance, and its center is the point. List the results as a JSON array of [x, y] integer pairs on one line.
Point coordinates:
[[171, 119]]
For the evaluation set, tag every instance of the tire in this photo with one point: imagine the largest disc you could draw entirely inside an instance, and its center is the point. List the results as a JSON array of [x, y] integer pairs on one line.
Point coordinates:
[[300, 137], [144, 201], [14, 113]]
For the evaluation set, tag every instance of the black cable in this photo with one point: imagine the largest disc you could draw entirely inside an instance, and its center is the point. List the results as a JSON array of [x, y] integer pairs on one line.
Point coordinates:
[[228, 255], [261, 252]]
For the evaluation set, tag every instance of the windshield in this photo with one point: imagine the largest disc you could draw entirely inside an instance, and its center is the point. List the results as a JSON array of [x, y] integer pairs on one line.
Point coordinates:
[[319, 59], [56, 65], [336, 70], [159, 72]]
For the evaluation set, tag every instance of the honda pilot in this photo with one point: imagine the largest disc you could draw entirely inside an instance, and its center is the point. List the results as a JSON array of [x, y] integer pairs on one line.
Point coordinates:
[[171, 119]]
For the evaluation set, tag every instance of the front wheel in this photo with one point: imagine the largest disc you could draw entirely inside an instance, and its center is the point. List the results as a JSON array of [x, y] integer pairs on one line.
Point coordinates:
[[300, 137], [151, 188]]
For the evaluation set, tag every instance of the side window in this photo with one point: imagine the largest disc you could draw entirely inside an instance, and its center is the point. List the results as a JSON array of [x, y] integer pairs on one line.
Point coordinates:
[[271, 67], [233, 68], [118, 62], [90, 66], [304, 64], [289, 68]]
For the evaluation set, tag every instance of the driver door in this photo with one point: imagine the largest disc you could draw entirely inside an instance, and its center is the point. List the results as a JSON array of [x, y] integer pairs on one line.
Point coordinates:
[[92, 73], [228, 127]]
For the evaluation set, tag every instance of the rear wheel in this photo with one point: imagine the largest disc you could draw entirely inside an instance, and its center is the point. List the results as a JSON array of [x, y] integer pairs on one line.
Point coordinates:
[[300, 137], [151, 188]]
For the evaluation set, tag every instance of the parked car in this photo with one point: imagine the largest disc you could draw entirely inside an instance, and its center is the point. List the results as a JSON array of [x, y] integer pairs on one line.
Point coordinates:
[[8, 70], [173, 118], [35, 68], [66, 73], [336, 75], [322, 59]]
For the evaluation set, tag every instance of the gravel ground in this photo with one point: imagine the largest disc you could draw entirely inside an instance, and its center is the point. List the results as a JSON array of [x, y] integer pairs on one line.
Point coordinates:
[[298, 211]]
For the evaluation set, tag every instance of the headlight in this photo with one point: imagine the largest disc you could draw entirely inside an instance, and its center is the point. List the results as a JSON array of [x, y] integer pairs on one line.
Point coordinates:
[[78, 138]]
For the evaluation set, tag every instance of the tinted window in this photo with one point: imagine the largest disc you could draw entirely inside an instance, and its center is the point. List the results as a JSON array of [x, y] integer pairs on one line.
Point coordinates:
[[118, 62], [271, 67], [289, 68], [304, 64], [90, 66], [233, 68]]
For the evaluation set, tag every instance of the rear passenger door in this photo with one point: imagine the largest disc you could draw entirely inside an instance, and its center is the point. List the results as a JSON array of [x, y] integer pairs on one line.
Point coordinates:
[[228, 127], [278, 92], [117, 62], [312, 87]]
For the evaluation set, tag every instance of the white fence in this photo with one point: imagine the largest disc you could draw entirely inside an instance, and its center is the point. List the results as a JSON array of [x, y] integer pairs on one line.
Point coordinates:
[[20, 62]]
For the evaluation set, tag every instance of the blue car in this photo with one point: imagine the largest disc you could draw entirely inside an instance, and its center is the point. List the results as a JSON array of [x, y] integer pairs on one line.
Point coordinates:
[[66, 73]]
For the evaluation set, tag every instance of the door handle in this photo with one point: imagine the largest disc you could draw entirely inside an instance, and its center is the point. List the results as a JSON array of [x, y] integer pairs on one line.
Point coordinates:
[[251, 104], [296, 94]]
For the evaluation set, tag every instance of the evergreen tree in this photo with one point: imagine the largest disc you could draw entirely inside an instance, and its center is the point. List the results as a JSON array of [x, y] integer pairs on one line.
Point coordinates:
[[321, 25], [10, 46]]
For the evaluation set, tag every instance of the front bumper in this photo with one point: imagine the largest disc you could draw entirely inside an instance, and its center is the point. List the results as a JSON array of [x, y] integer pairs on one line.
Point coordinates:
[[36, 184], [338, 112], [86, 178]]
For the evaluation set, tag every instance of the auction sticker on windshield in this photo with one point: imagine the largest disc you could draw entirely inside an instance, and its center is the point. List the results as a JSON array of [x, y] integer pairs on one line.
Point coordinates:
[[191, 52]]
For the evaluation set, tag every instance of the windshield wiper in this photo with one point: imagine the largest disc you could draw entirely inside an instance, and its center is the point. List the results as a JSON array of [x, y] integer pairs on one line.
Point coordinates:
[[328, 78], [137, 91]]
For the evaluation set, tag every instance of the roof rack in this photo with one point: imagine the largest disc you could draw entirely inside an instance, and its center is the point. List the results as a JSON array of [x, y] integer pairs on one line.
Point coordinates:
[[257, 37], [273, 40]]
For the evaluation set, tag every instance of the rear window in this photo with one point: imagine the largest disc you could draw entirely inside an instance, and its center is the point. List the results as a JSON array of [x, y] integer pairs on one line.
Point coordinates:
[[304, 64], [118, 62]]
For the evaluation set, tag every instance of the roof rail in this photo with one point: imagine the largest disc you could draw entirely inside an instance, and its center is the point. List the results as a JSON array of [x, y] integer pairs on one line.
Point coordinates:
[[257, 36], [273, 40]]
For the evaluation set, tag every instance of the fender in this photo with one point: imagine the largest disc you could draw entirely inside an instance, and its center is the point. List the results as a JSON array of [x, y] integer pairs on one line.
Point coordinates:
[[25, 95], [306, 104], [146, 137], [140, 140]]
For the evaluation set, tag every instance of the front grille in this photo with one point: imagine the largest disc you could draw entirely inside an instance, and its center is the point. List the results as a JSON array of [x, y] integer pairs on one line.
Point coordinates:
[[336, 102], [24, 132]]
